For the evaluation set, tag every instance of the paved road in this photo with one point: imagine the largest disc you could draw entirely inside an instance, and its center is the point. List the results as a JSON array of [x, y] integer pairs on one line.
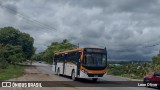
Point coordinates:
[[47, 69]]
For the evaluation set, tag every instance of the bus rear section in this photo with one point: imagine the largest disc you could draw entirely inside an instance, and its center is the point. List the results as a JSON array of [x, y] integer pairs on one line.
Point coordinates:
[[81, 63]]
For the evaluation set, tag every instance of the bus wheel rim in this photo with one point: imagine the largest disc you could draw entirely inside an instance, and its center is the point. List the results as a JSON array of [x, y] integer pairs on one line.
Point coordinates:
[[58, 72], [73, 76]]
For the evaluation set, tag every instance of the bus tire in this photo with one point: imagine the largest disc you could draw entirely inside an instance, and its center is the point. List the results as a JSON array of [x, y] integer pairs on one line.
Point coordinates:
[[94, 79], [58, 72], [73, 75]]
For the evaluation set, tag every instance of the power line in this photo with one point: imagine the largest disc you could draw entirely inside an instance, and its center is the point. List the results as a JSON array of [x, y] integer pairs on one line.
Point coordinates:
[[29, 19], [42, 25], [47, 27]]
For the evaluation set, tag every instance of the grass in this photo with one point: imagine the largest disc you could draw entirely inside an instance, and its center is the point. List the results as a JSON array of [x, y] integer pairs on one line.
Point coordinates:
[[11, 72]]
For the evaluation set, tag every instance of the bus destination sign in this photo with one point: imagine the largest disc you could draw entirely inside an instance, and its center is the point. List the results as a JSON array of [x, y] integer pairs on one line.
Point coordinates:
[[96, 50]]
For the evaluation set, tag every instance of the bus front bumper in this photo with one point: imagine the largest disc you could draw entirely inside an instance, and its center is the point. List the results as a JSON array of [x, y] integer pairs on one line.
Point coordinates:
[[87, 75]]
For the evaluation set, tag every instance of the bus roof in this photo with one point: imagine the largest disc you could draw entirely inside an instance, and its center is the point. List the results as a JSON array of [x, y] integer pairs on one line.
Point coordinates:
[[78, 49]]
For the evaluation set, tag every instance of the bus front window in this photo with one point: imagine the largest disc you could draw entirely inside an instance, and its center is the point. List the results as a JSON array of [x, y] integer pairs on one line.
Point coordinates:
[[98, 60]]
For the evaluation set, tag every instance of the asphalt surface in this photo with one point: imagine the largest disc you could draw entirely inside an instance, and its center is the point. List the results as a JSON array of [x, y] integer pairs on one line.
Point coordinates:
[[106, 83]]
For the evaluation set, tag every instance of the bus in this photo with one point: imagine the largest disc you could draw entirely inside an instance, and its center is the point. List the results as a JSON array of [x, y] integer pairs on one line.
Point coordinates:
[[81, 63]]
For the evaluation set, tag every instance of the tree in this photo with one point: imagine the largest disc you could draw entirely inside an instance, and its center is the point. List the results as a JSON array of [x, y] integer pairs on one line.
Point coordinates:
[[14, 54], [3, 62], [156, 62], [2, 51], [27, 44], [47, 55], [12, 36], [9, 35]]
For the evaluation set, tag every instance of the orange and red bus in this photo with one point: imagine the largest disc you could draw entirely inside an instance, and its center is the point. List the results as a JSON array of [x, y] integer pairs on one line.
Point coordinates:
[[81, 63]]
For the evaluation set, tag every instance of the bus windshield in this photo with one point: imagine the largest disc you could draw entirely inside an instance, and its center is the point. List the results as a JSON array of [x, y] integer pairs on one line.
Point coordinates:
[[96, 60]]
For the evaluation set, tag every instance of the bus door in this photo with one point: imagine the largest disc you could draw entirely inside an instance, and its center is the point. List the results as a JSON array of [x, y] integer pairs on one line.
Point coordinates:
[[64, 61], [78, 55], [54, 66]]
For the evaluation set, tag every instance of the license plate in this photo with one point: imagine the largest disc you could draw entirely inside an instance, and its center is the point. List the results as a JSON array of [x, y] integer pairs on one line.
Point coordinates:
[[95, 75]]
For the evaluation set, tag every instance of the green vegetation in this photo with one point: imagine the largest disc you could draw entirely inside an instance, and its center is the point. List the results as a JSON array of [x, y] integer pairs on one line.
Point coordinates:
[[12, 36], [47, 55], [11, 72], [3, 62], [156, 62], [15, 46], [135, 71]]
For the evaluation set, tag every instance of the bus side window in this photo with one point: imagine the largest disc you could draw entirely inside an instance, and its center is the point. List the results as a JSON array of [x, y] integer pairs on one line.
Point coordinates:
[[85, 60], [63, 57], [60, 58], [69, 57], [72, 57], [57, 59], [54, 59], [79, 55], [66, 57], [75, 59]]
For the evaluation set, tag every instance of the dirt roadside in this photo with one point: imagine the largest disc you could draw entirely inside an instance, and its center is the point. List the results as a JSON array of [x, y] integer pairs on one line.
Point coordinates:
[[33, 74]]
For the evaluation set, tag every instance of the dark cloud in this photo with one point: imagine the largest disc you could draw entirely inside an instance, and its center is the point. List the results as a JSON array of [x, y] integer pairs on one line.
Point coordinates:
[[9, 7], [139, 6], [83, 3], [126, 27]]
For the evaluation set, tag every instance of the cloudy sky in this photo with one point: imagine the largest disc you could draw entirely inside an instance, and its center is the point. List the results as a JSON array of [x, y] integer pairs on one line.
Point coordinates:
[[130, 29]]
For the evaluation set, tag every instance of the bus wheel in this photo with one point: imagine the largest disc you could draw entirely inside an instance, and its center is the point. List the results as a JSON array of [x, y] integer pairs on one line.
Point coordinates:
[[58, 72], [73, 76], [94, 79]]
